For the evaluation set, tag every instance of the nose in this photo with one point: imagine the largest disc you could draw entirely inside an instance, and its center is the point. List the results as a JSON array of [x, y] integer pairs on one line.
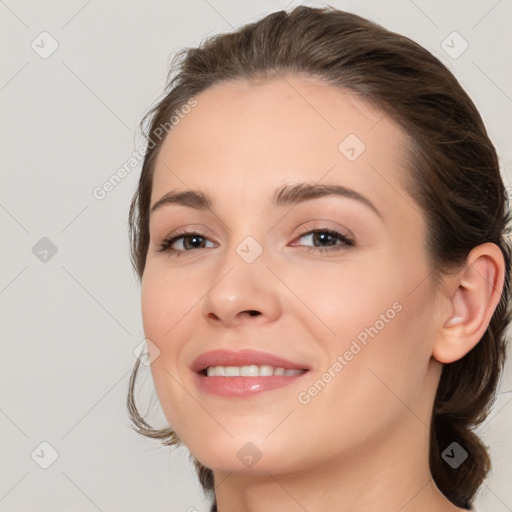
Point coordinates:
[[242, 293]]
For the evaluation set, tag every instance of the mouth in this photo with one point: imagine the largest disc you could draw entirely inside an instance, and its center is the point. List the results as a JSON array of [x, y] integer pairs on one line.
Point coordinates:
[[244, 373], [252, 370]]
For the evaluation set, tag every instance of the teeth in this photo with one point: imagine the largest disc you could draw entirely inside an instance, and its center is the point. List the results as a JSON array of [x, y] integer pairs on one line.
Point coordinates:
[[249, 371]]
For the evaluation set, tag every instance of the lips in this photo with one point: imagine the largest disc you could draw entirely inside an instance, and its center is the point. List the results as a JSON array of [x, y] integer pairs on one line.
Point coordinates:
[[244, 386], [244, 357]]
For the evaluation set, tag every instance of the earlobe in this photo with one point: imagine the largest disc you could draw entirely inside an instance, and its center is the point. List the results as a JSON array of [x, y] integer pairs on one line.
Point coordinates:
[[477, 291]]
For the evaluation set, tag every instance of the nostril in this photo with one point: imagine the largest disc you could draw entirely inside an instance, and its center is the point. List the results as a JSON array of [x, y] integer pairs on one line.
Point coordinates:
[[253, 313]]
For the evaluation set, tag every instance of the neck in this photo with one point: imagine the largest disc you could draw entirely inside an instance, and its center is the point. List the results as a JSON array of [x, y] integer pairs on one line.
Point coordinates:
[[389, 475]]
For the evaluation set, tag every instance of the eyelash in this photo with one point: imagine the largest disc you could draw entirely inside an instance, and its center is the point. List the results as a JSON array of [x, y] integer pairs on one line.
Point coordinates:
[[346, 242]]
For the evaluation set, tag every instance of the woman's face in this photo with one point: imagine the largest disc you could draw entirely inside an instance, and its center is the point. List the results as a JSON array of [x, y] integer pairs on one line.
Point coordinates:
[[336, 284]]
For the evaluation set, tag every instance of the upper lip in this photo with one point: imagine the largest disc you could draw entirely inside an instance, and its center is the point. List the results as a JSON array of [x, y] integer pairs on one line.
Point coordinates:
[[244, 357]]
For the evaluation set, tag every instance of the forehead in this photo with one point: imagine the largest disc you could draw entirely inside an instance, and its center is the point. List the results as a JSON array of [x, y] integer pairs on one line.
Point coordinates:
[[264, 133]]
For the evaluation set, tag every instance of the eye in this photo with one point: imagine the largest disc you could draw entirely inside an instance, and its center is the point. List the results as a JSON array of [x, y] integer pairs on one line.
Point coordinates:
[[327, 236], [186, 240]]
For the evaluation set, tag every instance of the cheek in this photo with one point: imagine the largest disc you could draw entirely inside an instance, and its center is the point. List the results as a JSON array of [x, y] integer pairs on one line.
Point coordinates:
[[155, 301], [376, 317], [345, 299], [380, 375], [165, 304], [394, 335], [166, 300], [171, 303]]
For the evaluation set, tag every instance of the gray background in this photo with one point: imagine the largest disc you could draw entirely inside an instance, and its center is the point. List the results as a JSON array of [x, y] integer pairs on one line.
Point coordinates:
[[71, 320]]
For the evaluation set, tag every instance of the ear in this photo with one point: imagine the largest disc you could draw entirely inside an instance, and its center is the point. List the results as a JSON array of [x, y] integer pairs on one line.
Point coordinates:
[[475, 292]]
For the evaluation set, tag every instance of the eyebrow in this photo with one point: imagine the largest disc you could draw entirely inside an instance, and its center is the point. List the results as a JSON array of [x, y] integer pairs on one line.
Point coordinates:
[[284, 196]]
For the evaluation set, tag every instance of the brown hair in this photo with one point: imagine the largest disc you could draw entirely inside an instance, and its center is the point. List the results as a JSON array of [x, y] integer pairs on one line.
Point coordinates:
[[455, 178]]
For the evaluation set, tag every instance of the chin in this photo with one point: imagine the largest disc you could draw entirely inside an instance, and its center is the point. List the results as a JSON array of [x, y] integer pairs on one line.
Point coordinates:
[[242, 454]]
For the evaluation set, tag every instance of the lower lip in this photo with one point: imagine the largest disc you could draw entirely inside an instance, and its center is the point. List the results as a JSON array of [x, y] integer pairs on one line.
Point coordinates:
[[242, 387]]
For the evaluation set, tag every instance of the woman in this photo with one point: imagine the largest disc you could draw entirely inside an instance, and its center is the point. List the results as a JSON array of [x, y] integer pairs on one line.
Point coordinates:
[[320, 229]]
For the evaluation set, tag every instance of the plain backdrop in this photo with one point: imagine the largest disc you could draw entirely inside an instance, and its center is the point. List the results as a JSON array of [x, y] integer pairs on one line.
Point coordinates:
[[75, 80]]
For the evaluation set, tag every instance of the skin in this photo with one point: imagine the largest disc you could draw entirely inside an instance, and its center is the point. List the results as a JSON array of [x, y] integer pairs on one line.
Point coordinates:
[[361, 444]]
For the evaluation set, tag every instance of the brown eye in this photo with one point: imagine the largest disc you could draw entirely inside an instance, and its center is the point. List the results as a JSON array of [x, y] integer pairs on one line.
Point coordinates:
[[187, 240], [329, 237]]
